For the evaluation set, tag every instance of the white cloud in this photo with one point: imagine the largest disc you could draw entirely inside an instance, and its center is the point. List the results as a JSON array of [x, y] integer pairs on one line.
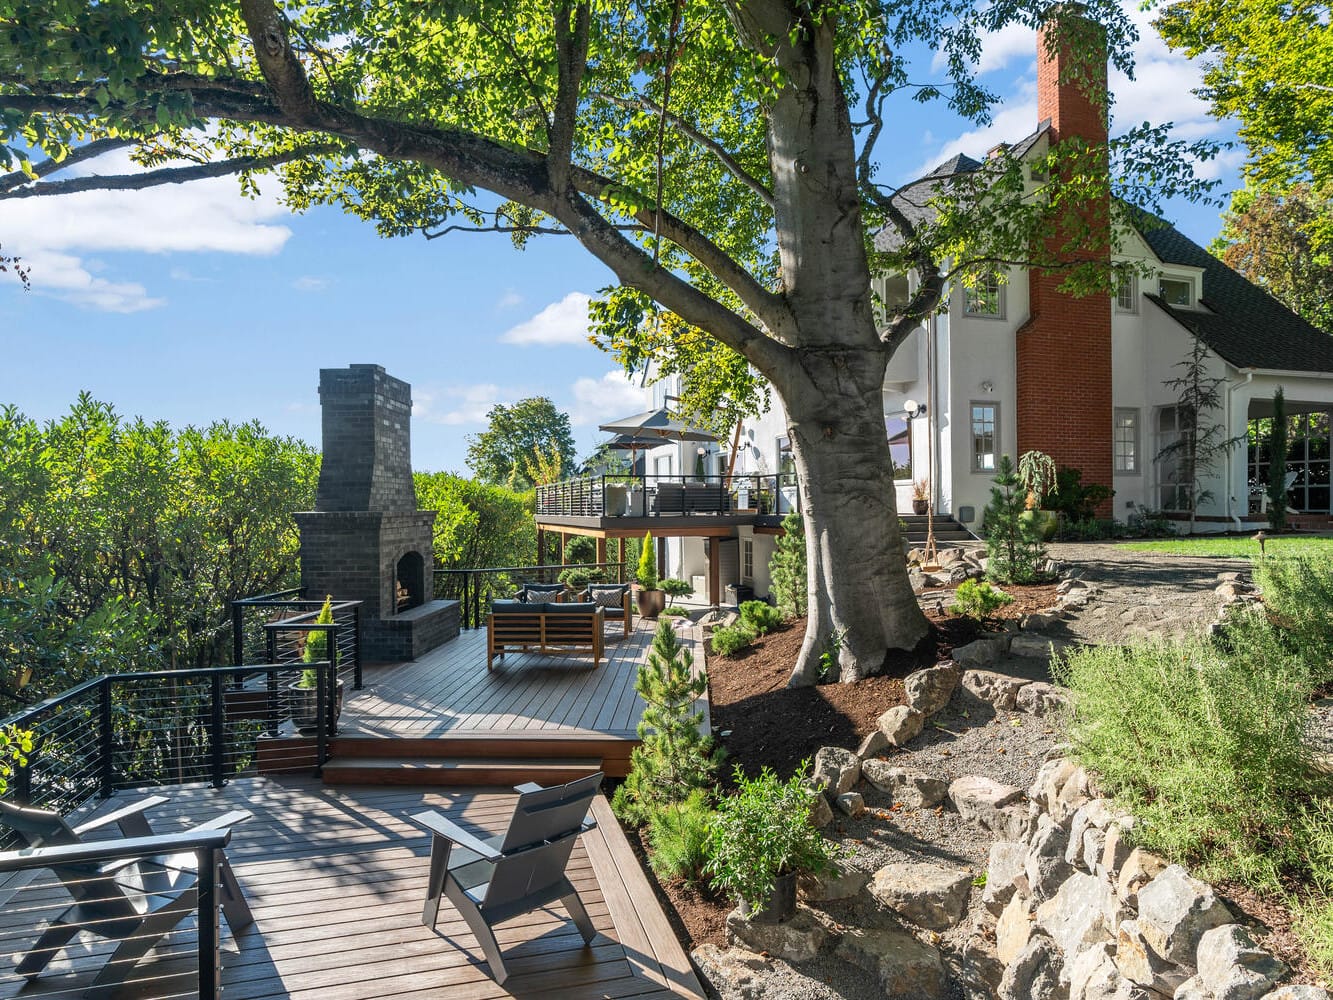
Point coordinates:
[[458, 404], [509, 300], [998, 49], [203, 216], [614, 395], [310, 283], [563, 322], [63, 276]]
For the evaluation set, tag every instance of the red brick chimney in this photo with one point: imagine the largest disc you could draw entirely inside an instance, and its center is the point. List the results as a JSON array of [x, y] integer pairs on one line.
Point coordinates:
[[1064, 349]]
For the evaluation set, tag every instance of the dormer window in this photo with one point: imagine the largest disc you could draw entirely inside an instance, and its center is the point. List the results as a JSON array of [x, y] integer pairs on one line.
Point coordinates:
[[1177, 291]]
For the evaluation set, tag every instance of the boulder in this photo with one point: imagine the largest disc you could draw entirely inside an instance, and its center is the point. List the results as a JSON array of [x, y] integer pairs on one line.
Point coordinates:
[[1093, 976], [797, 940], [1036, 973], [836, 770], [1298, 992], [911, 788], [1139, 868], [1075, 916], [1115, 850], [733, 972], [980, 800], [1014, 928], [1094, 842], [821, 813], [843, 881], [1041, 699], [906, 968], [1051, 777], [1191, 989], [927, 895], [1070, 586], [851, 804], [1036, 647], [1045, 866], [1233, 967], [979, 652], [999, 690], [929, 690], [1175, 911], [981, 967], [1007, 859], [901, 724], [1139, 964], [1039, 621], [874, 742]]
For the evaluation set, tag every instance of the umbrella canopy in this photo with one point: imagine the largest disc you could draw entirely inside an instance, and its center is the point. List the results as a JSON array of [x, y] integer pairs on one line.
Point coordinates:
[[659, 425]]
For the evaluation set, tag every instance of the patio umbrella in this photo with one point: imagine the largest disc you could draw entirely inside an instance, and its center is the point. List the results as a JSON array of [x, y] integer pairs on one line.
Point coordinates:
[[633, 445], [657, 424]]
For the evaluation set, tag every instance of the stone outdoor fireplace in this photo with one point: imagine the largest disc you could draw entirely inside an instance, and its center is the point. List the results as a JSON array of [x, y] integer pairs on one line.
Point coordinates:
[[366, 540]]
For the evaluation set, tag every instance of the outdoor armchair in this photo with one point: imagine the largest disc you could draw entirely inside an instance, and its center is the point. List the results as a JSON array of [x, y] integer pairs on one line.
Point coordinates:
[[136, 901], [498, 878]]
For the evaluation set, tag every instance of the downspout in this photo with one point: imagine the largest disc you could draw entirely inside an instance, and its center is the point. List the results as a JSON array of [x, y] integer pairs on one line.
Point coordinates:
[[1236, 522]]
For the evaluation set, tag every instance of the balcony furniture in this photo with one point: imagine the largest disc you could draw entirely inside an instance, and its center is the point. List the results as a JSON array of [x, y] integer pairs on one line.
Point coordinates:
[[634, 501], [615, 500], [669, 499], [540, 593], [549, 629], [614, 600], [134, 901], [704, 498], [499, 878]]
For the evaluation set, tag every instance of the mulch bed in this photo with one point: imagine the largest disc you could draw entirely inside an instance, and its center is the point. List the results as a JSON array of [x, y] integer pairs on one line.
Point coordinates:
[[1271, 921]]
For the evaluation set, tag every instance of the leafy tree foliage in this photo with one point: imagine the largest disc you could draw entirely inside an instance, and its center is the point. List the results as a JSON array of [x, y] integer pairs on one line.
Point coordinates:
[[526, 442], [125, 541], [1283, 241], [1271, 66], [477, 524], [718, 158]]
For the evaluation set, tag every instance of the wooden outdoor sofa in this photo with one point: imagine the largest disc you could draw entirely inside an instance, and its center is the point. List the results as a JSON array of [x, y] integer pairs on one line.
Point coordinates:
[[549, 629]]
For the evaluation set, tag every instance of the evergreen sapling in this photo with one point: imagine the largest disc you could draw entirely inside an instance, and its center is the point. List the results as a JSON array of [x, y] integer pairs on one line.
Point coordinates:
[[787, 568], [1013, 546]]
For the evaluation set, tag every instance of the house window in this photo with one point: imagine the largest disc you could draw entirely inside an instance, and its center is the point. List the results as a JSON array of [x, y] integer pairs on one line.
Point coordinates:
[[1127, 294], [1177, 291], [900, 445], [986, 297], [1126, 441], [1175, 478], [747, 559], [985, 436]]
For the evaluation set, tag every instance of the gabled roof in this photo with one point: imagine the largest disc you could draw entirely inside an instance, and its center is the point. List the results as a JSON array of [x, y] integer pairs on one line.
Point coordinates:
[[1247, 327]]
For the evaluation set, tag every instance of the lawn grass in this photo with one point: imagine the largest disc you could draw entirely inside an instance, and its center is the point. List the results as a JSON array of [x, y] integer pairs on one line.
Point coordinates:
[[1231, 547]]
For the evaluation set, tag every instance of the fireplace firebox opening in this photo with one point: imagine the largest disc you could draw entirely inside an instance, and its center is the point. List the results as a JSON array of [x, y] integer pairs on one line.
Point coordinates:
[[410, 582]]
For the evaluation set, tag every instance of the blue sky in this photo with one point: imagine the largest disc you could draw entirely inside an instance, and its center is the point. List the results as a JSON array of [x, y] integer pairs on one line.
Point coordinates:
[[193, 304]]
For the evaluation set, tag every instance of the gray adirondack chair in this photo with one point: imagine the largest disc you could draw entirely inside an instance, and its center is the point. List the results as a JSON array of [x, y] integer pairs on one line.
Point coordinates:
[[493, 880], [135, 901]]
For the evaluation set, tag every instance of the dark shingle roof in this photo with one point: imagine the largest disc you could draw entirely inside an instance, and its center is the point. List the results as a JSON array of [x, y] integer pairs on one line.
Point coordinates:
[[1247, 327]]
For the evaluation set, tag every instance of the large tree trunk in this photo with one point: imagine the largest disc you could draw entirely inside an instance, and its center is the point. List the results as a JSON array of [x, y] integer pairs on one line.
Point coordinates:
[[857, 573]]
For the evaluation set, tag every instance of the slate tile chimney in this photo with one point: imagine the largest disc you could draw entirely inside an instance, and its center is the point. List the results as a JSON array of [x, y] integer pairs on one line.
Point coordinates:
[[1064, 350], [366, 540]]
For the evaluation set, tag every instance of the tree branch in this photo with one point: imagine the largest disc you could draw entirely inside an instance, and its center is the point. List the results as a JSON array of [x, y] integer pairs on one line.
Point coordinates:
[[282, 69], [97, 147], [709, 145], [571, 46]]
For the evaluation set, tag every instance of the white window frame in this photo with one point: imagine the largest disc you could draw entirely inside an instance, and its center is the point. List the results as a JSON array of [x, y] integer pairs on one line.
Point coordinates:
[[1178, 280], [747, 560], [970, 297], [995, 435], [1136, 455], [1128, 284]]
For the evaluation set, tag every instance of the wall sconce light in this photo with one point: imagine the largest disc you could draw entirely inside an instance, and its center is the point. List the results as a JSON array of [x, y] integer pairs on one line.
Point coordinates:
[[988, 386], [914, 409]]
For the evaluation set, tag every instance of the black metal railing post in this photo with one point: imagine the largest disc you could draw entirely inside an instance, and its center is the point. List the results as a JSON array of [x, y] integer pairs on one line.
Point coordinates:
[[217, 732], [210, 971], [321, 717], [105, 739], [237, 634], [356, 650]]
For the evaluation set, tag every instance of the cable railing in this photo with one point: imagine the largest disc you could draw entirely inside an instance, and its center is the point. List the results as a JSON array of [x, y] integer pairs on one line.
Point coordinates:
[[475, 589], [624, 495], [273, 628]]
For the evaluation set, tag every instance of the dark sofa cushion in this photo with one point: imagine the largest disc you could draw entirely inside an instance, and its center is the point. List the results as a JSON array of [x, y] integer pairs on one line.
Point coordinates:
[[570, 609], [519, 608]]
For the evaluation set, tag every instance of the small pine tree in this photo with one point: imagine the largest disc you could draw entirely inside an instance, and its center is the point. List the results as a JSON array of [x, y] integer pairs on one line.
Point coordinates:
[[787, 568], [1013, 546], [317, 644], [673, 758], [1277, 463], [648, 563]]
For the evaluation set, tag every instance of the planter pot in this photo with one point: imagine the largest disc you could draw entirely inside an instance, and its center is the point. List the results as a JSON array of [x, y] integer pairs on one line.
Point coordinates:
[[651, 602], [919, 507], [305, 706], [778, 907], [1044, 522]]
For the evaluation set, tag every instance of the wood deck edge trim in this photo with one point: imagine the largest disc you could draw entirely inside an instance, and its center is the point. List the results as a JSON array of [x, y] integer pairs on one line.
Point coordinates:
[[613, 860]]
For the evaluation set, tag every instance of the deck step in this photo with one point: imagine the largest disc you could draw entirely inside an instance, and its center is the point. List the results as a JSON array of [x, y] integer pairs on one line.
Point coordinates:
[[471, 772]]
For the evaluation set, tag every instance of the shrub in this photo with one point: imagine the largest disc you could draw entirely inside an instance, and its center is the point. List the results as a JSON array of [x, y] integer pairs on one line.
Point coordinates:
[[1205, 742], [764, 831], [675, 588], [1013, 548], [580, 549], [1276, 487], [978, 600], [576, 580], [1314, 927], [1298, 592], [674, 758], [678, 838], [317, 645], [647, 575], [1074, 502], [730, 639], [787, 568], [760, 617]]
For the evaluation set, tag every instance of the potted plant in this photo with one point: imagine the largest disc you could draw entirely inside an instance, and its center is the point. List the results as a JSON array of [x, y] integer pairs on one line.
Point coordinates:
[[305, 690], [576, 580], [651, 599], [920, 496], [762, 839], [1036, 473]]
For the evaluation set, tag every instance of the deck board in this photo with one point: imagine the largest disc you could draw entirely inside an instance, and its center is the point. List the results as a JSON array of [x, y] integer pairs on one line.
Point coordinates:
[[336, 879]]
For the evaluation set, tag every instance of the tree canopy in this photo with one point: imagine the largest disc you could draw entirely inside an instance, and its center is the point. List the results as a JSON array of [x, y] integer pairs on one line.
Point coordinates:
[[524, 443], [1271, 66]]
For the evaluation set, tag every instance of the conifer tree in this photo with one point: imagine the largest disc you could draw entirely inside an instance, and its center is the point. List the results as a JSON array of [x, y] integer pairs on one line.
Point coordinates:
[[1277, 463], [1013, 545], [674, 758], [787, 568]]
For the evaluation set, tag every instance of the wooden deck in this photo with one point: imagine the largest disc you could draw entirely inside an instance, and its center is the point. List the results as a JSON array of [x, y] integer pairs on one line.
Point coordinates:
[[450, 691], [336, 879]]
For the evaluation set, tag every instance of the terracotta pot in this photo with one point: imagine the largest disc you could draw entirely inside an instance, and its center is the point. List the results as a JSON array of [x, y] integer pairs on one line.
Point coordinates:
[[651, 602], [780, 905]]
